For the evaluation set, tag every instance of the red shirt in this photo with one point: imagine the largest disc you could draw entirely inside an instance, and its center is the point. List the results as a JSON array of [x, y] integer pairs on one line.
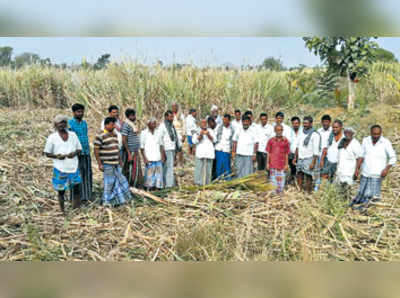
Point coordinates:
[[278, 150]]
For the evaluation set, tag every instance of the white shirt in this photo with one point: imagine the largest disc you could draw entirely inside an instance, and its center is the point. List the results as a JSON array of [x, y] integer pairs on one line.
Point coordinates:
[[333, 151], [311, 149], [190, 125], [287, 132], [263, 134], [205, 147], [347, 161], [225, 144], [150, 143], [165, 140], [376, 157], [236, 124], [324, 137], [295, 139], [56, 145], [180, 123], [245, 141]]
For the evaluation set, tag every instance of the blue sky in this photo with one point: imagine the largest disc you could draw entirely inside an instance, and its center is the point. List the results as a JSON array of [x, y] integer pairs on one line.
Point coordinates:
[[199, 50]]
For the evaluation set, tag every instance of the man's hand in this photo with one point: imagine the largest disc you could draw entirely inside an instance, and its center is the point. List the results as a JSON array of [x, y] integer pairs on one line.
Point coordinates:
[[286, 167], [145, 160], [384, 172], [163, 157], [121, 163], [233, 155], [175, 162], [183, 139], [294, 161], [267, 168], [321, 164], [312, 166], [130, 157], [71, 155], [60, 156], [253, 158], [101, 167], [356, 174]]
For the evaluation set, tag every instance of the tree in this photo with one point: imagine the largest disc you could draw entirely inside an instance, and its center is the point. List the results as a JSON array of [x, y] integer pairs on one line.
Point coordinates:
[[102, 62], [26, 59], [383, 55], [272, 63], [345, 56], [5, 56]]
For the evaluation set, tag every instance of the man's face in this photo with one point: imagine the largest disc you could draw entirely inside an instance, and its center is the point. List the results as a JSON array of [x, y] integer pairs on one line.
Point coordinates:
[[326, 124], [214, 112], [61, 125], [348, 134], [264, 120], [175, 108], [152, 125], [170, 117], [296, 124], [246, 123], [212, 124], [238, 116], [79, 114], [203, 124], [376, 134], [114, 113], [307, 124], [336, 128], [278, 130], [279, 119], [226, 121], [110, 126], [132, 117], [194, 114]]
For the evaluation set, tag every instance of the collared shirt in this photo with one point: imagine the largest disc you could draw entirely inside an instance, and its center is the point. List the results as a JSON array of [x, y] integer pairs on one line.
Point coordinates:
[[108, 146], [205, 147], [236, 124], [81, 130], [165, 140], [56, 145], [150, 143], [287, 132], [191, 126], [180, 124], [324, 137], [312, 149], [347, 159], [278, 151], [246, 140], [263, 134], [333, 151], [118, 127], [225, 143], [293, 144], [376, 157]]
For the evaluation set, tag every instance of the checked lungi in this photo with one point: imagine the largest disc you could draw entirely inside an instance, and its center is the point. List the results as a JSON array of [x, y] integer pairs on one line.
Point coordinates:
[[116, 187], [278, 178], [370, 188]]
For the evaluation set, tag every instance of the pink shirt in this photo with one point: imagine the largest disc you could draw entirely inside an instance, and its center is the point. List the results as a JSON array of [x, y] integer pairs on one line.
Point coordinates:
[[278, 150]]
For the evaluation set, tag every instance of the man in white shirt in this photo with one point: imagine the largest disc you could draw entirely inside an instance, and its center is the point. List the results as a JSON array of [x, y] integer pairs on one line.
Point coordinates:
[[287, 131], [150, 146], [223, 148], [325, 131], [330, 151], [264, 132], [170, 141], [237, 122], [205, 154], [349, 153], [63, 147], [191, 128], [180, 126], [377, 157], [295, 134], [244, 149], [307, 152]]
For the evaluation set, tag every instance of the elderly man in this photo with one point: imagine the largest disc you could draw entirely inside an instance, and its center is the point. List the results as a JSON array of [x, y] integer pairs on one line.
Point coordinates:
[[204, 140], [106, 151], [170, 141], [63, 147], [330, 151], [215, 115], [377, 157], [264, 132], [223, 148], [307, 152], [151, 151], [244, 149], [349, 152], [79, 126]]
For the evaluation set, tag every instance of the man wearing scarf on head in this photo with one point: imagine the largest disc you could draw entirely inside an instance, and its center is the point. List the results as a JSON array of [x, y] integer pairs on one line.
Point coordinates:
[[307, 153], [170, 141]]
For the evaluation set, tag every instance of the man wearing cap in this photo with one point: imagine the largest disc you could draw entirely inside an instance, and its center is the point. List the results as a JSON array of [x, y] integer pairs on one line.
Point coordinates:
[[63, 147]]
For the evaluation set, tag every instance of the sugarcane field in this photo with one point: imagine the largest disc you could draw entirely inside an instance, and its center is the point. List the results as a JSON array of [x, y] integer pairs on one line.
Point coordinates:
[[127, 161]]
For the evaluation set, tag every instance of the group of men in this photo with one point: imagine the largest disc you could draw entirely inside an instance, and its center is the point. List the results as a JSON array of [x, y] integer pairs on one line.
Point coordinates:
[[224, 148]]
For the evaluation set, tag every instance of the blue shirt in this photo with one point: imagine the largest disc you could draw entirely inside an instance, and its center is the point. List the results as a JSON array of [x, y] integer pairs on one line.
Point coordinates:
[[81, 130]]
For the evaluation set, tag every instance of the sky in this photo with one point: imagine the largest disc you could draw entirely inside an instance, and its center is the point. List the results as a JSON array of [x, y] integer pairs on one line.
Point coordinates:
[[200, 51]]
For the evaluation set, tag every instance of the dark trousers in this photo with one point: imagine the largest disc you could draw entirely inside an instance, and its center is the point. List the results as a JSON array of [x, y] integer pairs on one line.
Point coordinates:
[[261, 161]]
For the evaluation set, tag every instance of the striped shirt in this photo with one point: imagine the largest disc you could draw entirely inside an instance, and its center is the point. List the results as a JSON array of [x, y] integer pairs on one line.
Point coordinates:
[[107, 143], [132, 137]]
